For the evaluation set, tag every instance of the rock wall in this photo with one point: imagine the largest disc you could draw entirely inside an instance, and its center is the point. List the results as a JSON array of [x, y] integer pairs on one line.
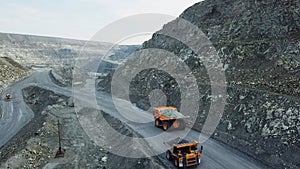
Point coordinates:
[[258, 43], [10, 71]]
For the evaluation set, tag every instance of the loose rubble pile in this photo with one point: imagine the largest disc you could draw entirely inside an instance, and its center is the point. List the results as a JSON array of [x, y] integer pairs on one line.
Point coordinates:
[[63, 75], [172, 114], [10, 71]]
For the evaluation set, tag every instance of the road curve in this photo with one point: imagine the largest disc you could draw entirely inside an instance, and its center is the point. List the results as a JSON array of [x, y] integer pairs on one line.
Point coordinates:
[[16, 114]]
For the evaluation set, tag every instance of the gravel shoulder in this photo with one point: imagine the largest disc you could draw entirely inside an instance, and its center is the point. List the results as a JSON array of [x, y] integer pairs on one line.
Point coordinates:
[[36, 144]]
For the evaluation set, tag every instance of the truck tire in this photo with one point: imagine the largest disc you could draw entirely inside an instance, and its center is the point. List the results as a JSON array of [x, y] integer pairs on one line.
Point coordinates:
[[176, 124], [157, 122], [165, 125], [176, 163], [168, 155]]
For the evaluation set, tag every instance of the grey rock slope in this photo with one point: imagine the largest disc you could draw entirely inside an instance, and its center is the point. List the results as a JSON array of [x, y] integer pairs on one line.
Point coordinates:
[[10, 71], [38, 50], [60, 54], [258, 43], [35, 50]]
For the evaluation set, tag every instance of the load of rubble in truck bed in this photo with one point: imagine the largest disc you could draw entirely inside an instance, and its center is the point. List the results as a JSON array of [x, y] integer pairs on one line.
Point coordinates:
[[173, 114]]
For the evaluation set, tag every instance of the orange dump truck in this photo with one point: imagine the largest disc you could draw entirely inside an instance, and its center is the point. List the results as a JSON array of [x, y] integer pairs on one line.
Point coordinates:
[[167, 117], [184, 154]]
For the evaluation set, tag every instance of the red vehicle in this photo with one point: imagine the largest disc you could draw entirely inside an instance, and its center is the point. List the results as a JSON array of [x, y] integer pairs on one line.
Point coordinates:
[[7, 97]]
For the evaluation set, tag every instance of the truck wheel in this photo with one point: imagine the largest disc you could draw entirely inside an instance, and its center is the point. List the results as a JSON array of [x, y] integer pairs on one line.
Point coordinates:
[[176, 163], [166, 125], [177, 124], [168, 155], [199, 161], [157, 122]]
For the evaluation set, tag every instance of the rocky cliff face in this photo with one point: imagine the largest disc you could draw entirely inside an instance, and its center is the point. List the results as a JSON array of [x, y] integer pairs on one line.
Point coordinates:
[[263, 33], [36, 50], [60, 54], [258, 42], [10, 71]]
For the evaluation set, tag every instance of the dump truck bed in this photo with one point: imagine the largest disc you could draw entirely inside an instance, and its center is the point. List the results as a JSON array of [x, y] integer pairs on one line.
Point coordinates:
[[172, 114], [167, 117], [171, 143], [169, 114], [179, 143]]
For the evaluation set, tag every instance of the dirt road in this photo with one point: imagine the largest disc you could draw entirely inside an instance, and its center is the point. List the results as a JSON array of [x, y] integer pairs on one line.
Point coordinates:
[[16, 114]]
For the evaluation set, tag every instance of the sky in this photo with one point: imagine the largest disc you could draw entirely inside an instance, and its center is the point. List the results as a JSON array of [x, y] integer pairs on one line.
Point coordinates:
[[77, 19]]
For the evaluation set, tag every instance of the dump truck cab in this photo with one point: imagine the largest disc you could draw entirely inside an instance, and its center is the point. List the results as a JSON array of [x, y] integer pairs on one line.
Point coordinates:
[[167, 117], [185, 154]]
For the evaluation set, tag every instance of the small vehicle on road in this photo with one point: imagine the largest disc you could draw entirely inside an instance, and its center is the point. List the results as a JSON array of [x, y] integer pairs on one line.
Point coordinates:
[[184, 154], [167, 117], [8, 97]]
